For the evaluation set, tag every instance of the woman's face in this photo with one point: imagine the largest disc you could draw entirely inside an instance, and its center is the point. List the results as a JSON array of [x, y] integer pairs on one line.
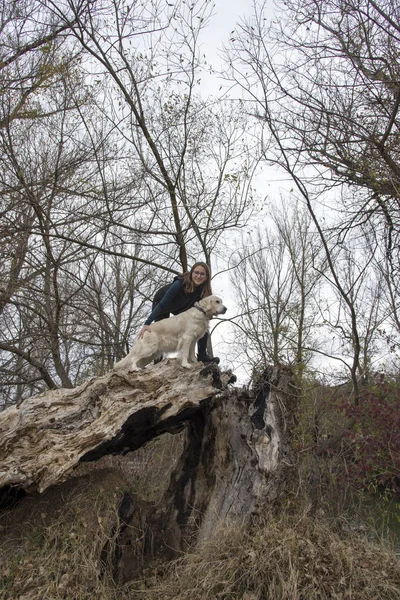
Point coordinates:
[[199, 275]]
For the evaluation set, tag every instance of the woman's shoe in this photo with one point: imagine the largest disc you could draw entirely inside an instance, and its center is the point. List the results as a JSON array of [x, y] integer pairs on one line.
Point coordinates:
[[204, 358]]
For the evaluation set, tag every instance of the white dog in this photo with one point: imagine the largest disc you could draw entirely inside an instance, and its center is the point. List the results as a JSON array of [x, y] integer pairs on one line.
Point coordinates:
[[179, 333]]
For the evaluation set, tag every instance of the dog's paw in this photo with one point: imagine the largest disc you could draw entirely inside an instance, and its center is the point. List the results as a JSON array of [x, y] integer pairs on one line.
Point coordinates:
[[186, 365]]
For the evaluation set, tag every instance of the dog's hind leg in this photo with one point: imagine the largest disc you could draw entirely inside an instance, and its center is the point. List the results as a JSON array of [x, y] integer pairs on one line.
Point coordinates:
[[146, 351], [146, 358], [143, 361], [124, 363]]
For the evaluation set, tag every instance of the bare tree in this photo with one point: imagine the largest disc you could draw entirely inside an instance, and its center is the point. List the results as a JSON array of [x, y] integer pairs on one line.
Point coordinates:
[[112, 166], [30, 58], [358, 304], [327, 73], [277, 279], [71, 320], [49, 184]]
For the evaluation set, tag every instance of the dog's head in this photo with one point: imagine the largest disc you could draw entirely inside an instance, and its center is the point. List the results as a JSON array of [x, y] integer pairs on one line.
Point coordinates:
[[212, 306]]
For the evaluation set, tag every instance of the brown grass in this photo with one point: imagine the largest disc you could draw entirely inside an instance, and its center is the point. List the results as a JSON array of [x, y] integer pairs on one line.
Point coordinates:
[[50, 546], [50, 549], [286, 558]]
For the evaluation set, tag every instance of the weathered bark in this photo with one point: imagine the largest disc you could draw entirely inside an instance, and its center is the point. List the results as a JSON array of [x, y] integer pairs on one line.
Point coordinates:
[[237, 461], [46, 436]]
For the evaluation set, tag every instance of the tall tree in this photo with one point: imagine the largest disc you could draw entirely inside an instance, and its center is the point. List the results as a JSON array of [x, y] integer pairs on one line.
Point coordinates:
[[148, 57], [114, 171], [328, 72], [277, 280]]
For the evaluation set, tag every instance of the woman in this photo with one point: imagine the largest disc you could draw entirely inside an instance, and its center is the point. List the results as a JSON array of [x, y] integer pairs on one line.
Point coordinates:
[[180, 296]]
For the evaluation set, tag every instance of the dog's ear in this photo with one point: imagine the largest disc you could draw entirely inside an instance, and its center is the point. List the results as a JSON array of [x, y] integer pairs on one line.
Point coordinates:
[[208, 302]]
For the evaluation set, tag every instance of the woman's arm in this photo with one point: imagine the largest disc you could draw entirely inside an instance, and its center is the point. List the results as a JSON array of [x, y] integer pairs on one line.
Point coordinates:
[[166, 302]]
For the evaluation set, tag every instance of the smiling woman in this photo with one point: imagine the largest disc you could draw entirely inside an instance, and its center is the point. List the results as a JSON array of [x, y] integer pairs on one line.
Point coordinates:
[[182, 294]]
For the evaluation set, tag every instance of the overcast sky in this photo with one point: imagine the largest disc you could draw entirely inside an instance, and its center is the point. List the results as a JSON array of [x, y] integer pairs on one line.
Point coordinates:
[[227, 13]]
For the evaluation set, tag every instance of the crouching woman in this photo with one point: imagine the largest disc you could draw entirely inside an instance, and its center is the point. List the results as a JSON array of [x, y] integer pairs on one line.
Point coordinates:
[[180, 295]]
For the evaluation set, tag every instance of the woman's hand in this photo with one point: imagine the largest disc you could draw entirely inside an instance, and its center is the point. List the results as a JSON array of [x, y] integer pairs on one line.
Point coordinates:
[[143, 331]]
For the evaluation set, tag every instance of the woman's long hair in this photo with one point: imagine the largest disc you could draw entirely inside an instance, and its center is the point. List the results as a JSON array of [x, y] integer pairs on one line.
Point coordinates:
[[206, 285]]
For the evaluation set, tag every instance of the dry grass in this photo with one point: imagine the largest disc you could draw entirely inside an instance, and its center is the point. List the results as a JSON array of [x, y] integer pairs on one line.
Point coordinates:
[[50, 546], [51, 549], [285, 558], [288, 558]]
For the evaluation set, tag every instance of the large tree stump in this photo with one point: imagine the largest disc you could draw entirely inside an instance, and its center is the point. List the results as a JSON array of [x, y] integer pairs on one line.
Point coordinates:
[[237, 460]]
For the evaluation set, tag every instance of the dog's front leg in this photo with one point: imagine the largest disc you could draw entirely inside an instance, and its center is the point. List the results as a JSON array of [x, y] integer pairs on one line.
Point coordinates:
[[192, 353], [184, 352]]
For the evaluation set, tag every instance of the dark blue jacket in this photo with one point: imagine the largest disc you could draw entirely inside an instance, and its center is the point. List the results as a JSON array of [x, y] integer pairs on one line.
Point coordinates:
[[173, 299]]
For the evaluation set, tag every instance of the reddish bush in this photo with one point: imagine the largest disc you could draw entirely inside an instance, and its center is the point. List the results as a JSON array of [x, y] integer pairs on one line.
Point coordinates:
[[376, 436]]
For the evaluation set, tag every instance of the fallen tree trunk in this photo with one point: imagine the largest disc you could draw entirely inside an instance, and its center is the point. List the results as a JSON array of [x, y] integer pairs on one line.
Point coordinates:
[[43, 439]]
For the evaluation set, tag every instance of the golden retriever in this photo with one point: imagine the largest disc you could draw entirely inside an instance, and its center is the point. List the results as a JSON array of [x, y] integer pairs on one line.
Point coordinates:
[[178, 333]]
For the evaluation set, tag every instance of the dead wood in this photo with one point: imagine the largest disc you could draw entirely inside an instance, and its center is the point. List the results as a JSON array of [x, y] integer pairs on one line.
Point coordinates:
[[237, 462], [46, 436]]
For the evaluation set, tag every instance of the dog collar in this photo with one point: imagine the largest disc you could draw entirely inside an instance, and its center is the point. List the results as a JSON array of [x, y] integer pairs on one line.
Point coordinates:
[[200, 309]]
